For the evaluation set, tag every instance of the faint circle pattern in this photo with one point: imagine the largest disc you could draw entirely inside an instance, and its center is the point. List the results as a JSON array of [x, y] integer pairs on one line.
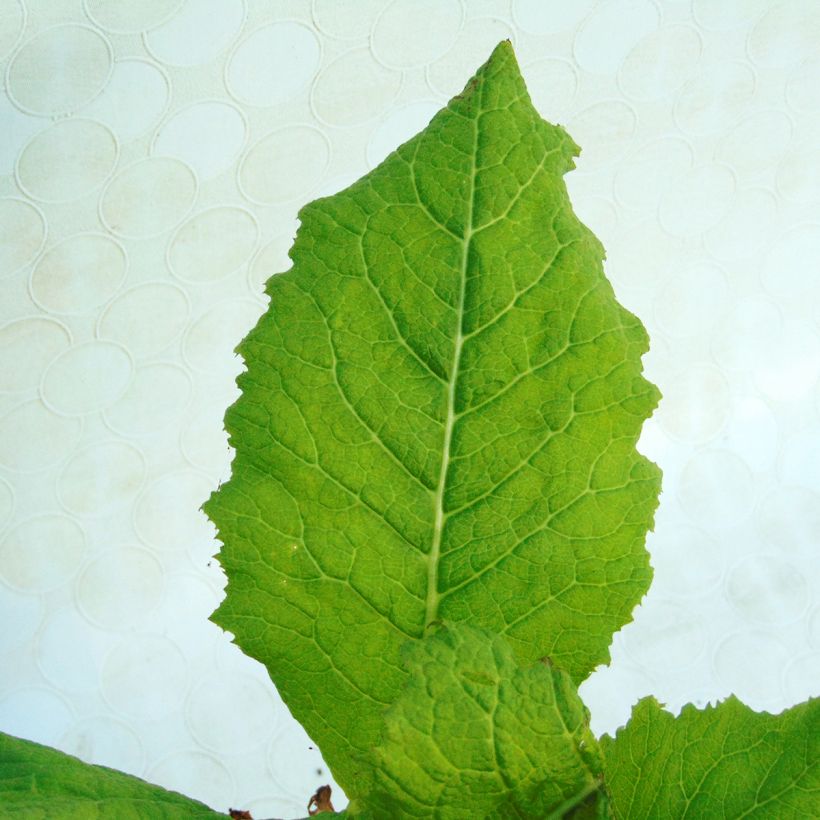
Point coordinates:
[[216, 784], [59, 70], [78, 274], [680, 308], [746, 332], [33, 437], [767, 589], [394, 49], [353, 89], [673, 52], [27, 346], [146, 318], [7, 503], [798, 173], [126, 17], [149, 197], [207, 136], [134, 99], [41, 553], [752, 430], [232, 714], [748, 664], [553, 85], [68, 160], [86, 378], [799, 461], [786, 34], [550, 16], [100, 478], [120, 587], [718, 97], [716, 489], [605, 129], [285, 164], [789, 368], [105, 741], [348, 21], [273, 64], [68, 653], [167, 515], [644, 175], [204, 442], [397, 127], [745, 228], [478, 37], [216, 23], [207, 352], [636, 255], [290, 755], [671, 638], [687, 561], [814, 627], [145, 677], [788, 272], [611, 31], [36, 713], [789, 519], [271, 259], [752, 145], [800, 677], [200, 599], [728, 14], [13, 17], [802, 88], [22, 234], [695, 404], [21, 616], [697, 202], [156, 397], [198, 252]]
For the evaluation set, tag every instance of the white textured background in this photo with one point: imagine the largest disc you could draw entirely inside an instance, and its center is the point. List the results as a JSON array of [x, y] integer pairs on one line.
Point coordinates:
[[153, 156]]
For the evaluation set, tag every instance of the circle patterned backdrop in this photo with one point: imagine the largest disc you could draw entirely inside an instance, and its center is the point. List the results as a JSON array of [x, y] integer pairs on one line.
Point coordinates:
[[154, 157]]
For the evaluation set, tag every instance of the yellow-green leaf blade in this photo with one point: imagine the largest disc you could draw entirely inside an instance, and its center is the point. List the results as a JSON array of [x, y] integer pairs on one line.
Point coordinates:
[[438, 420], [724, 761]]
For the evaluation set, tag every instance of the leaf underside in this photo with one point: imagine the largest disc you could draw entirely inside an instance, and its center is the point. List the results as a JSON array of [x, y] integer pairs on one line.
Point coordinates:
[[724, 762], [438, 421], [39, 783]]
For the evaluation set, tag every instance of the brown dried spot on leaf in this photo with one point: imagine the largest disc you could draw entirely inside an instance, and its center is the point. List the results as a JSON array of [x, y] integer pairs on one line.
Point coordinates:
[[320, 802], [239, 814]]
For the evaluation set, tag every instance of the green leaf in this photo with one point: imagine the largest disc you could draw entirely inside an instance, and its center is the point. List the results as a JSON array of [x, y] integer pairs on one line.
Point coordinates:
[[39, 782], [438, 421], [724, 762], [475, 735]]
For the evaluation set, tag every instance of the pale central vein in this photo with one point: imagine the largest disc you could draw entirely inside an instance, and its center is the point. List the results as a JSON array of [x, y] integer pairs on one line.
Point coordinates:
[[434, 556]]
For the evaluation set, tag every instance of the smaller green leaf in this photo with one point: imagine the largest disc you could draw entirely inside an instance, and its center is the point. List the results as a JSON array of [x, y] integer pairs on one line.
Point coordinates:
[[475, 735], [39, 782], [725, 761]]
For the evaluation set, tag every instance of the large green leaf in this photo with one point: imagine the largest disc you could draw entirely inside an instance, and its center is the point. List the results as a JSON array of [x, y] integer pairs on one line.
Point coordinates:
[[722, 762], [438, 421], [39, 782], [475, 735]]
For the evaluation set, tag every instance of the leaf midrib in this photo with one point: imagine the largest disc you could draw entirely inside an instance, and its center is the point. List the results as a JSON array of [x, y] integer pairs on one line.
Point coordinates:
[[434, 556]]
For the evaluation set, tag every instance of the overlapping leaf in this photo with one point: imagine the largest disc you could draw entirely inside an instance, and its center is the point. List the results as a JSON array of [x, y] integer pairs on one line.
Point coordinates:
[[438, 421], [724, 762], [475, 735]]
